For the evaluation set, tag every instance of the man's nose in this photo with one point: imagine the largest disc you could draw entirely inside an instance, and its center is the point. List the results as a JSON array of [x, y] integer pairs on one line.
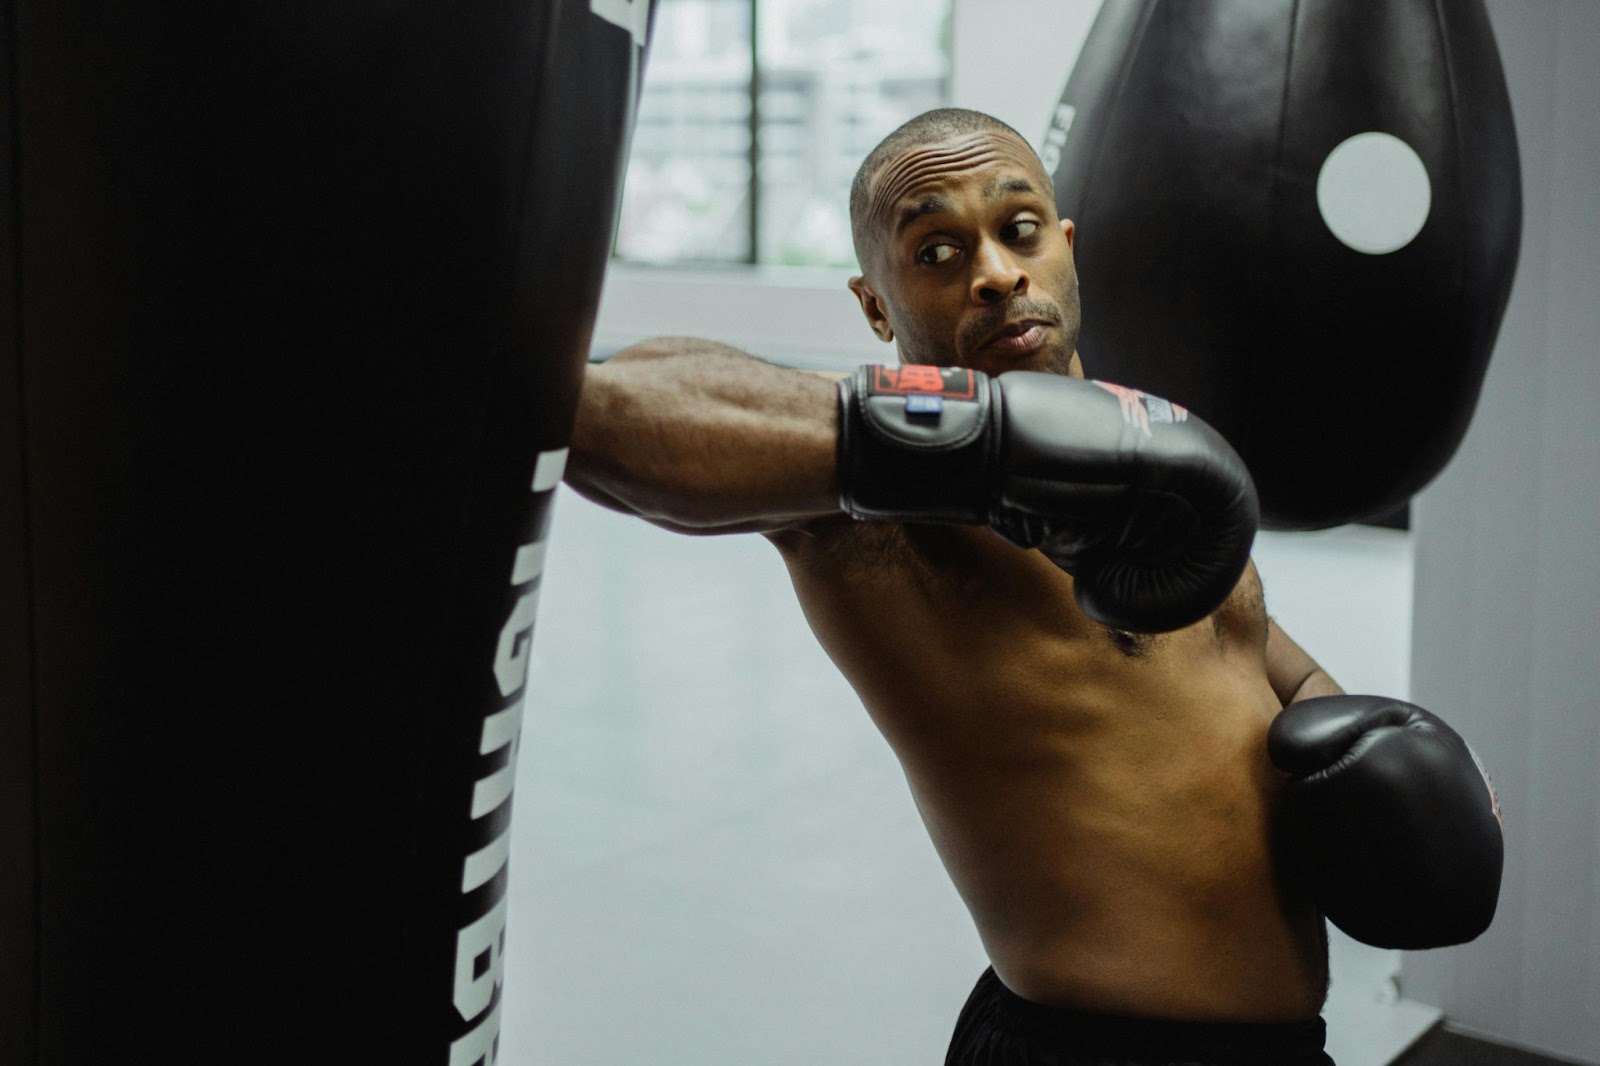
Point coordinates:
[[996, 274]]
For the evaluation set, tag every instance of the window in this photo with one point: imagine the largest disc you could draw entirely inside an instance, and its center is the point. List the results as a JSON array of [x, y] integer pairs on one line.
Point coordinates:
[[755, 115]]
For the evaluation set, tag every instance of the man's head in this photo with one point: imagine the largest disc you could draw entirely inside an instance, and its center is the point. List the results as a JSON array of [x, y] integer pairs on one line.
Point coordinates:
[[964, 262]]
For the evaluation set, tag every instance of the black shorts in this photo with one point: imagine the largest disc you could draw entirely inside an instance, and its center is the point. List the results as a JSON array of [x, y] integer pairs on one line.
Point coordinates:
[[997, 1027]]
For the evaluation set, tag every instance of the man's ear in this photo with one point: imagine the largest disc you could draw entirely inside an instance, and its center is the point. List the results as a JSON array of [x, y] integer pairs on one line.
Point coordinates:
[[872, 307], [1069, 230]]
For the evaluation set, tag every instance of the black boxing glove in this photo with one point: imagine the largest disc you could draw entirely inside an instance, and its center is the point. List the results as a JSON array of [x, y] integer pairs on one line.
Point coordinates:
[[1149, 508], [1389, 818]]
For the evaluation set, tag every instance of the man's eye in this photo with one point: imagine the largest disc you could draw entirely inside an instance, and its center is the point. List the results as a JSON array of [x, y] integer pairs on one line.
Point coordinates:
[[1022, 229], [936, 253]]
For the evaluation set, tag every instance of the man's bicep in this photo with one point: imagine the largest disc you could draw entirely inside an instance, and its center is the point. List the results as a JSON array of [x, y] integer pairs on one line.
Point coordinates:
[[1293, 674]]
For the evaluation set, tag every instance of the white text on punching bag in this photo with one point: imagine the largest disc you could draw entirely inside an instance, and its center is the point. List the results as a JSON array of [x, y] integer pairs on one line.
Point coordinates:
[[1055, 138], [474, 985]]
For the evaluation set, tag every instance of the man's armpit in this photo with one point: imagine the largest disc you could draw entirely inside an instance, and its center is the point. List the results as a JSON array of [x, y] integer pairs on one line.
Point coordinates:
[[848, 549]]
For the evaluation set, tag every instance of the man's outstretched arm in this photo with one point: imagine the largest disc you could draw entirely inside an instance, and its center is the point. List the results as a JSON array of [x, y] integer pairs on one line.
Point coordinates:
[[698, 437]]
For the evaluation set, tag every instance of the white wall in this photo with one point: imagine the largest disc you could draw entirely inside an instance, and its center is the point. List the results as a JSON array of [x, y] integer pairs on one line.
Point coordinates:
[[1508, 589], [805, 318], [1012, 57]]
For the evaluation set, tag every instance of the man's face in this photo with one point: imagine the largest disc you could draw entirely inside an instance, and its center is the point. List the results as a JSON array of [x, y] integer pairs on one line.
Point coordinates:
[[968, 264]]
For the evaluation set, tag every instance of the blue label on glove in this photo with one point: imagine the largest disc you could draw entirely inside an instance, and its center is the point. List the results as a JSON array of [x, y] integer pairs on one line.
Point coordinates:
[[924, 405]]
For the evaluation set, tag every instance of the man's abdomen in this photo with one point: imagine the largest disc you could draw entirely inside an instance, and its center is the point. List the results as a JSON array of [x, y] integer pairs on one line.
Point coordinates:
[[1124, 863], [1105, 815]]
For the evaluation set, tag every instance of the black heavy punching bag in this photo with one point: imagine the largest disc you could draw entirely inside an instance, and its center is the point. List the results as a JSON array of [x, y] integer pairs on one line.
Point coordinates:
[[297, 299], [1301, 219]]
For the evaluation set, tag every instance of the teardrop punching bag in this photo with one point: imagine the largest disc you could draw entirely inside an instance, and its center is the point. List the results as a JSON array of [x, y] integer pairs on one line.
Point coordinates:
[[1301, 219], [297, 300]]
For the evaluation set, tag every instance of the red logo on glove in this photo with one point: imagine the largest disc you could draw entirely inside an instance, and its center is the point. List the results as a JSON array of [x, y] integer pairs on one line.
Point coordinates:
[[1140, 408], [917, 379]]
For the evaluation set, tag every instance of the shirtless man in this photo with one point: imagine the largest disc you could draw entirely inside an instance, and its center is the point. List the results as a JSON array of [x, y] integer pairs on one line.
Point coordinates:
[[1102, 799]]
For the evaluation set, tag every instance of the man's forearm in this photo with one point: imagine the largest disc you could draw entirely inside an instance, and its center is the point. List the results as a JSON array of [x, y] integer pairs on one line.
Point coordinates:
[[699, 436]]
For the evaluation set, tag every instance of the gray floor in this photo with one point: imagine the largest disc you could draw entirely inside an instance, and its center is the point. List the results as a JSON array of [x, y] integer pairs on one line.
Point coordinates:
[[1444, 1047], [716, 860]]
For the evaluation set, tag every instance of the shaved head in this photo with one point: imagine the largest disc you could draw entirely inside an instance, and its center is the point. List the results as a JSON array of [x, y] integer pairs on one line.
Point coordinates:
[[930, 127], [965, 260]]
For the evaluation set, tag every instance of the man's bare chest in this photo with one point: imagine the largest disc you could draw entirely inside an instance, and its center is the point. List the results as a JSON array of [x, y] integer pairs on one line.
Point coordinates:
[[971, 573]]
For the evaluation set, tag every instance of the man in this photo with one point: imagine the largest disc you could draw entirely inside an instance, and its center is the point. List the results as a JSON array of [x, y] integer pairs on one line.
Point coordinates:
[[1102, 798]]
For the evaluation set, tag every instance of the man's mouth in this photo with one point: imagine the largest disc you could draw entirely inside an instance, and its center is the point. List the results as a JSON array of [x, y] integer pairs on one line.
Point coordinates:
[[1019, 338]]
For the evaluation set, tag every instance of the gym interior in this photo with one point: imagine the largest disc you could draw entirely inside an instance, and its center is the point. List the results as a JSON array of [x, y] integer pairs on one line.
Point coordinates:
[[275, 787]]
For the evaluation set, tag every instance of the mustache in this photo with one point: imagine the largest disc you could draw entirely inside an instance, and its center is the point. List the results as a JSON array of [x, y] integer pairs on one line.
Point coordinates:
[[981, 329]]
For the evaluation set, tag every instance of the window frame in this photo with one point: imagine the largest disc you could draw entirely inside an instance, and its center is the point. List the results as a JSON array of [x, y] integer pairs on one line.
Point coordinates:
[[751, 260]]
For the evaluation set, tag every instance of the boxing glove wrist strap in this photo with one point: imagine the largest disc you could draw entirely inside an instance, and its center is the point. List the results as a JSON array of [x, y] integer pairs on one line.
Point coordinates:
[[917, 443]]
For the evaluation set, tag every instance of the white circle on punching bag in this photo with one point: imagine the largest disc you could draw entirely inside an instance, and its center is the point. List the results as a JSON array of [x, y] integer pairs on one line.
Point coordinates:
[[1374, 194]]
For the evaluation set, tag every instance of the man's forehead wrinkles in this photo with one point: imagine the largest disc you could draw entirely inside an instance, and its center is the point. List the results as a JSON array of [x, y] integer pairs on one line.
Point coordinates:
[[922, 174], [900, 179], [903, 173]]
